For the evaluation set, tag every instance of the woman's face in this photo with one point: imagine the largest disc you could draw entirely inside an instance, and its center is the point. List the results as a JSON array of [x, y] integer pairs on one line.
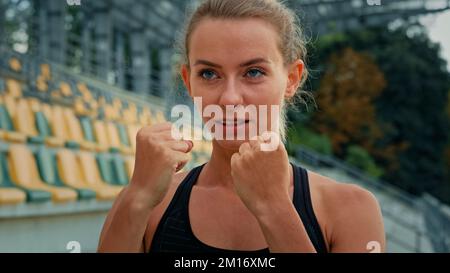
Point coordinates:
[[238, 63]]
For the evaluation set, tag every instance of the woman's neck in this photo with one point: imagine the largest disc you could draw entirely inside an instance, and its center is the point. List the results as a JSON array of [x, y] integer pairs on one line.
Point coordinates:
[[217, 172]]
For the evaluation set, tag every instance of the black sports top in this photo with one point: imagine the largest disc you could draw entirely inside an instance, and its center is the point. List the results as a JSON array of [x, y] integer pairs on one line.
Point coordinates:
[[174, 233]]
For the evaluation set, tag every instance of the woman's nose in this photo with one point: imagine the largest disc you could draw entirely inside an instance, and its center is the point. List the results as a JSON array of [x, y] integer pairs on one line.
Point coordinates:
[[231, 94]]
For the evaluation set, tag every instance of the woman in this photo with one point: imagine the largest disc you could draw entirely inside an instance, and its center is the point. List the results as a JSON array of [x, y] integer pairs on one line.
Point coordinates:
[[244, 199]]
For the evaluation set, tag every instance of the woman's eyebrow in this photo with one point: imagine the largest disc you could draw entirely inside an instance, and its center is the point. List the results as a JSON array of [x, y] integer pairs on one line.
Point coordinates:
[[247, 63]]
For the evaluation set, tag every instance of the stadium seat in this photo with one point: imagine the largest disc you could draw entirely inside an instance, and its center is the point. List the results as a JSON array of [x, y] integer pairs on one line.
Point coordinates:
[[6, 124], [85, 92], [15, 64], [42, 123], [74, 174], [101, 135], [46, 72], [65, 89], [9, 194], [132, 130], [114, 139], [145, 117], [119, 170], [14, 88], [48, 170], [123, 135], [112, 169], [92, 174], [24, 172], [75, 132], [24, 122]]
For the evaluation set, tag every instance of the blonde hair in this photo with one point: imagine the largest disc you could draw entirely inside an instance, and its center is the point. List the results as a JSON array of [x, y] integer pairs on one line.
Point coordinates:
[[291, 43]]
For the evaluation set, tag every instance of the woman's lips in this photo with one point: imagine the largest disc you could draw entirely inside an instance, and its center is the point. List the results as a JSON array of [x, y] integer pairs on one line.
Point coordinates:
[[231, 123]]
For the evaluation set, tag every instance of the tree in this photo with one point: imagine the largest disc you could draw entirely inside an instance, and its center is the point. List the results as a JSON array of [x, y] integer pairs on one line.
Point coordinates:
[[411, 109], [346, 97]]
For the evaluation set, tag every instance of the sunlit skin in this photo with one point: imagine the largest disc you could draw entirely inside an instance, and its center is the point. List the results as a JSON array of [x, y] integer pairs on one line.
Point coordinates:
[[248, 192]]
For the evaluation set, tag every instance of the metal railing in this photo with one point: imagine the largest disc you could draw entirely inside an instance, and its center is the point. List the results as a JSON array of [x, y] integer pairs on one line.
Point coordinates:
[[436, 224]]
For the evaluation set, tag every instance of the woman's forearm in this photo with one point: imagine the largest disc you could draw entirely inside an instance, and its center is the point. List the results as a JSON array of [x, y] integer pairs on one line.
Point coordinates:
[[283, 228], [126, 230]]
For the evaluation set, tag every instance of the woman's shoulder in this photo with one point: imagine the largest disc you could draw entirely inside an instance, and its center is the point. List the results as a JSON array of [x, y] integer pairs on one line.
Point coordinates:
[[339, 198], [351, 214]]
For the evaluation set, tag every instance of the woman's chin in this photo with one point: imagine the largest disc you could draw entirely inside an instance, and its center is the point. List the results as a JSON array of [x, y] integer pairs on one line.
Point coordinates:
[[230, 144]]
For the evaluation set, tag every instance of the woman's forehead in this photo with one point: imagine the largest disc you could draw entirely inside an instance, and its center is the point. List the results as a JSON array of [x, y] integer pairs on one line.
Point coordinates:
[[228, 40]]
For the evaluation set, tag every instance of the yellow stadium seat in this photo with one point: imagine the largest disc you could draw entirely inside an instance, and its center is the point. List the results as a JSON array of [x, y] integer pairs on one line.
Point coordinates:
[[41, 84], [101, 134], [79, 174], [8, 193], [14, 88], [65, 89], [85, 92], [57, 122], [145, 118], [117, 103], [24, 173], [15, 64], [111, 112], [9, 196], [42, 117], [114, 140], [132, 130], [75, 132], [91, 171], [24, 121], [80, 108], [160, 117], [129, 115], [7, 109], [46, 72]]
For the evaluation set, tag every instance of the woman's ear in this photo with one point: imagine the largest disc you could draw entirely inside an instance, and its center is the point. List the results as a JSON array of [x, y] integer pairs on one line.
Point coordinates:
[[295, 72], [185, 74]]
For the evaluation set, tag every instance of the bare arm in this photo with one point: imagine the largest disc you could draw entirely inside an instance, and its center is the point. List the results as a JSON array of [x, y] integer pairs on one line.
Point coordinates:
[[158, 158], [125, 225], [357, 223], [283, 229]]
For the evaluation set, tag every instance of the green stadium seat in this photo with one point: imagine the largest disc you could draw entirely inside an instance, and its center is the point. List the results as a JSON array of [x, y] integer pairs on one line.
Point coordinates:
[[6, 124], [74, 175], [123, 134], [112, 169], [119, 170], [24, 172], [14, 193], [9, 194], [24, 122], [48, 170]]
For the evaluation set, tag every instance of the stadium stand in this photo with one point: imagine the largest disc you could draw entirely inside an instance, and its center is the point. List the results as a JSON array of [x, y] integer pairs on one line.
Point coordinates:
[[65, 145]]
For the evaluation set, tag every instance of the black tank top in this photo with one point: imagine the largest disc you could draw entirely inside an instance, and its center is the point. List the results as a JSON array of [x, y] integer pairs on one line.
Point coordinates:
[[174, 233]]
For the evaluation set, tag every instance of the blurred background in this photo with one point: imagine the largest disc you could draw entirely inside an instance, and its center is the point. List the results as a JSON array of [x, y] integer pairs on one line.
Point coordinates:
[[78, 78]]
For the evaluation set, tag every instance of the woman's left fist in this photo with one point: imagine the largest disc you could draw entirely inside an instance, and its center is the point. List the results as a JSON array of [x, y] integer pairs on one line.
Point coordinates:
[[260, 175]]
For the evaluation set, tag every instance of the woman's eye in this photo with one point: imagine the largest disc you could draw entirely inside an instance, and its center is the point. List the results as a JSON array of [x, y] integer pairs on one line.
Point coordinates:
[[254, 73], [208, 75]]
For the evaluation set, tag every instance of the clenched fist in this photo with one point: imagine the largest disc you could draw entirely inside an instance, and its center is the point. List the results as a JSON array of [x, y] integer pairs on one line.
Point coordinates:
[[260, 176], [158, 158]]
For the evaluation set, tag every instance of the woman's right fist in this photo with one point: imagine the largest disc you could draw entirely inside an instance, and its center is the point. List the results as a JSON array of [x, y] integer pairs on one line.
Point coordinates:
[[158, 157]]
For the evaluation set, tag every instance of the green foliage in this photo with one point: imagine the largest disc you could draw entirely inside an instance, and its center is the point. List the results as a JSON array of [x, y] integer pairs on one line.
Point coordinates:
[[360, 158], [306, 137], [411, 110]]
